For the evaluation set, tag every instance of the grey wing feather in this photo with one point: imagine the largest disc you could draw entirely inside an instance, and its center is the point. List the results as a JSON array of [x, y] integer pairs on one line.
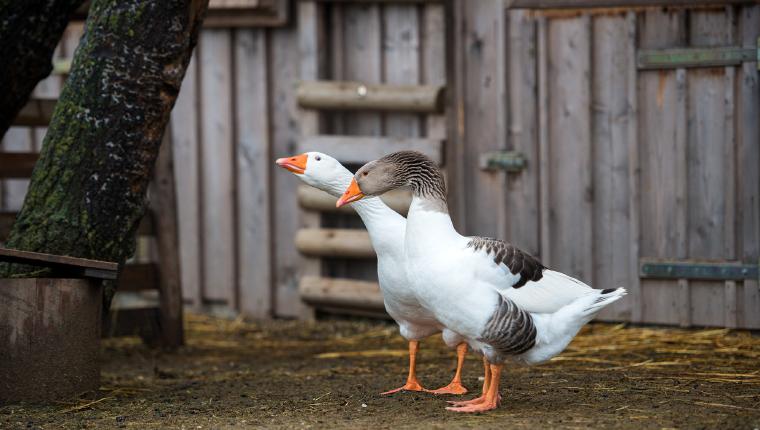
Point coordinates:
[[518, 261]]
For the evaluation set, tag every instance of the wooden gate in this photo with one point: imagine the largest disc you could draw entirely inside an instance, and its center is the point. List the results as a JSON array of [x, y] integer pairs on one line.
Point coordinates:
[[639, 131]]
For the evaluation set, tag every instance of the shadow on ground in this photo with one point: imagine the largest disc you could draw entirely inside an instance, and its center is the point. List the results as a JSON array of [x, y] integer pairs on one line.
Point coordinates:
[[328, 374]]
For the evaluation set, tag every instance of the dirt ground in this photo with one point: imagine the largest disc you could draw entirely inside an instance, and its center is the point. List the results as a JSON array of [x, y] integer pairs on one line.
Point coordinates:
[[328, 374]]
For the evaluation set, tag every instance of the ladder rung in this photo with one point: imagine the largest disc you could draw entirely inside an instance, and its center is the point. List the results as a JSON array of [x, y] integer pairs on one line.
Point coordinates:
[[338, 95], [36, 113], [334, 242], [361, 149], [340, 292]]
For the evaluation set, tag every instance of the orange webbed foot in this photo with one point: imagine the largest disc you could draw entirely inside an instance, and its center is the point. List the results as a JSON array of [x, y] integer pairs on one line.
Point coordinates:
[[486, 405], [409, 386], [453, 388]]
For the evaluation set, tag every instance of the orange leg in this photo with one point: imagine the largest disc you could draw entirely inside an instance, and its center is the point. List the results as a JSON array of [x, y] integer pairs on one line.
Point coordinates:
[[486, 384], [492, 398], [455, 386], [412, 384]]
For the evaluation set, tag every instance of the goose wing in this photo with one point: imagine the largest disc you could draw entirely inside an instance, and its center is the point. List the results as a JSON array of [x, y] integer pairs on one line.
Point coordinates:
[[522, 278]]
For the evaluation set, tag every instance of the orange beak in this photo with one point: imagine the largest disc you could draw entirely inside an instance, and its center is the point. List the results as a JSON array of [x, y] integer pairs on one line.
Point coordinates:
[[296, 164], [352, 194]]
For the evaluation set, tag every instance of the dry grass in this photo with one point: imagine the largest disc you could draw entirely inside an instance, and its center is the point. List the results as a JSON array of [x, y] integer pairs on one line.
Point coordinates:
[[287, 374]]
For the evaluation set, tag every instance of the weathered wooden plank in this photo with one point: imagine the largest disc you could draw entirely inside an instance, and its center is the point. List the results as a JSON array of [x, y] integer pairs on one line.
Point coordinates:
[[312, 42], [748, 158], [17, 164], [571, 194], [360, 149], [522, 192], [217, 213], [346, 95], [612, 117], [71, 266], [580, 4], [456, 41], [253, 184], [283, 71], [401, 62], [662, 146], [484, 117], [139, 277], [334, 242], [362, 62], [36, 112], [185, 141], [433, 52], [707, 164], [543, 140], [310, 198], [341, 292], [164, 206]]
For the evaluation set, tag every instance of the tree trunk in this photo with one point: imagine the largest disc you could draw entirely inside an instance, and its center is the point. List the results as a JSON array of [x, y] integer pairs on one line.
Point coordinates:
[[88, 189], [29, 31]]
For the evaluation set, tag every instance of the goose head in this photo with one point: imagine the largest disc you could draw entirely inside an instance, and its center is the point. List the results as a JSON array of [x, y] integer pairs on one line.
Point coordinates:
[[396, 170], [318, 170]]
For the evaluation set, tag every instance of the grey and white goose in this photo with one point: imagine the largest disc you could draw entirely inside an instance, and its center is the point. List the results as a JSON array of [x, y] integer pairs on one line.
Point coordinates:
[[503, 301]]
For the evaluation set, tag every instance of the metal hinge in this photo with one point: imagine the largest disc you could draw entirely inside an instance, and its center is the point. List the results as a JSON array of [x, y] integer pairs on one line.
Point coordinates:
[[649, 59], [511, 161], [723, 271]]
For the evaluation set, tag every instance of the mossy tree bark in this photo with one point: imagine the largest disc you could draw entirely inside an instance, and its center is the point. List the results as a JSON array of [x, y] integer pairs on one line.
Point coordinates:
[[88, 190], [29, 31]]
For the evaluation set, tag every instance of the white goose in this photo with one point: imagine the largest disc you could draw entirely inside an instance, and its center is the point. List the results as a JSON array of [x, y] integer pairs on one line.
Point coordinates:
[[386, 230], [502, 300]]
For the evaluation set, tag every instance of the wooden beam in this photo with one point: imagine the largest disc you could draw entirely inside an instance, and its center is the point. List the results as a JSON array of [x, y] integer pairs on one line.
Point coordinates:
[[334, 242], [583, 4], [341, 293], [312, 199], [361, 149], [63, 265], [17, 165], [139, 277], [358, 96], [36, 113]]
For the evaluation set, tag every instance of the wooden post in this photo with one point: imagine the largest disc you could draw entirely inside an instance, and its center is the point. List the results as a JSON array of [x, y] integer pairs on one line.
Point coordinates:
[[170, 286]]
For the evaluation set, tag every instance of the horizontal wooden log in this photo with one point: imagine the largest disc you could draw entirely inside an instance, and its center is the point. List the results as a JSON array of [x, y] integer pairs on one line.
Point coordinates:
[[357, 96], [17, 165], [36, 113], [361, 149], [583, 4], [312, 199], [338, 292], [334, 242], [139, 277]]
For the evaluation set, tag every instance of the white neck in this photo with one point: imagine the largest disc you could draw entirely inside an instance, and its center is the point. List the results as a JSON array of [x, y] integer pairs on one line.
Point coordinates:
[[427, 225]]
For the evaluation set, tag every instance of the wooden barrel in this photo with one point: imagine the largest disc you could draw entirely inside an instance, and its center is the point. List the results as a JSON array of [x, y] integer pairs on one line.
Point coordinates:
[[49, 338]]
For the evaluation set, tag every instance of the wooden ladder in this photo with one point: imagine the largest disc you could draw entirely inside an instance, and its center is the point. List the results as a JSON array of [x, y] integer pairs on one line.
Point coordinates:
[[316, 96]]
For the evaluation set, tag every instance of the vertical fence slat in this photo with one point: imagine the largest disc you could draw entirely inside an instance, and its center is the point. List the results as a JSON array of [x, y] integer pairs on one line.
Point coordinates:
[[748, 174], [217, 155], [362, 61], [522, 189], [612, 116], [570, 146], [186, 177], [401, 43], [434, 60], [662, 143], [253, 164], [285, 54], [707, 165]]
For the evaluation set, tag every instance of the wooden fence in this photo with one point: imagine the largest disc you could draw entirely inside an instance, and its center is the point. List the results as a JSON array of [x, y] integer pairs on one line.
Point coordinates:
[[561, 136]]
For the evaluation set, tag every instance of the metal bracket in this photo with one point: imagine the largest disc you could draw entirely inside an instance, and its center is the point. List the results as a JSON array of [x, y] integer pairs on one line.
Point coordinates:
[[511, 161], [723, 271], [650, 59]]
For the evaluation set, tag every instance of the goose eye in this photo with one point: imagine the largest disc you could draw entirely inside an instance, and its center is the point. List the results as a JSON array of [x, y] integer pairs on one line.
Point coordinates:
[[365, 173], [317, 157]]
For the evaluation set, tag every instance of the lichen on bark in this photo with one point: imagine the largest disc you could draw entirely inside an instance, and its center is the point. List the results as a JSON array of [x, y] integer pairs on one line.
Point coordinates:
[[29, 31], [88, 190]]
